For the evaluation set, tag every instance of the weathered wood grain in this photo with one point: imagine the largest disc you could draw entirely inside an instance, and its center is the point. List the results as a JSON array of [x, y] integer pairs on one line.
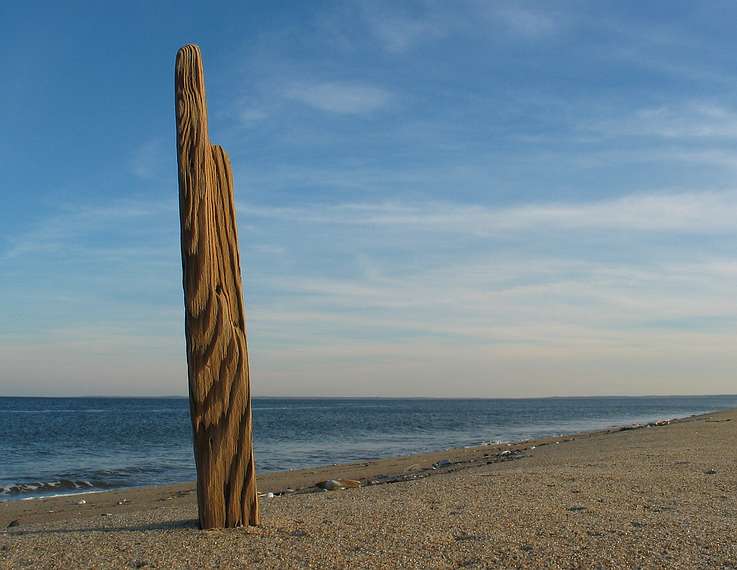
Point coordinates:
[[215, 323]]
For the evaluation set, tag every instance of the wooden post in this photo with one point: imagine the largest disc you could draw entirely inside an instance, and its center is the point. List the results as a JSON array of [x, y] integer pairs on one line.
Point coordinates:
[[215, 323]]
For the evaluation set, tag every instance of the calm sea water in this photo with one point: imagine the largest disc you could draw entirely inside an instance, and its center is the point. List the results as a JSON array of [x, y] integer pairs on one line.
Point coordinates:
[[63, 445]]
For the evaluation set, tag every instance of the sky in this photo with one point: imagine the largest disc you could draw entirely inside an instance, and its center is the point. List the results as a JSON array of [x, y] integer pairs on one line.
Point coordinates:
[[453, 199]]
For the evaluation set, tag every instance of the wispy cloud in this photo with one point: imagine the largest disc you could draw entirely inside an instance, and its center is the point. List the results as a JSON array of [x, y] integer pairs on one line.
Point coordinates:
[[252, 115], [103, 360], [707, 212], [489, 315], [398, 31], [339, 97], [690, 120], [525, 21], [75, 226]]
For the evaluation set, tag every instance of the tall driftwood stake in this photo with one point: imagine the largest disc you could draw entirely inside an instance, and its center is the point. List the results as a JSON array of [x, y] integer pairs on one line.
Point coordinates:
[[215, 323]]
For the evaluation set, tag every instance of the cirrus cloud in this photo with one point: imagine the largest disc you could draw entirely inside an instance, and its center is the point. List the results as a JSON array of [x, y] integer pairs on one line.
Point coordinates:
[[338, 96]]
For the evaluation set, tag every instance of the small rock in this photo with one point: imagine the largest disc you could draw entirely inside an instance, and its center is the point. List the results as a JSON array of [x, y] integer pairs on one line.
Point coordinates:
[[710, 472], [269, 495], [464, 536], [299, 533], [13, 523], [338, 484]]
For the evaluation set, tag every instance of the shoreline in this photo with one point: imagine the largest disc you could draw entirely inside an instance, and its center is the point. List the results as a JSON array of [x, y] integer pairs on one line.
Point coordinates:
[[93, 477], [658, 497], [267, 475], [381, 471]]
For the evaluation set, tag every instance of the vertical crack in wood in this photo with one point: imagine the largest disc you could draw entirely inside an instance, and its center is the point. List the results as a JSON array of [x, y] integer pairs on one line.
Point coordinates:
[[215, 321]]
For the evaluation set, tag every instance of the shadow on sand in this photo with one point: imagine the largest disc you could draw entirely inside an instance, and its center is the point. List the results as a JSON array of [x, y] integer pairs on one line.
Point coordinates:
[[191, 524]]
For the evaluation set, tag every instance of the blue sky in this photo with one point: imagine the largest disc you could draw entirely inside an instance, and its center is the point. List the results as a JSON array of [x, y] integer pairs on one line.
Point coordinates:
[[435, 198]]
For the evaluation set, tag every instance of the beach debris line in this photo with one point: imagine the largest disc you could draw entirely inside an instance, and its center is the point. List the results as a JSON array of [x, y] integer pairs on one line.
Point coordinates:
[[215, 320], [656, 423]]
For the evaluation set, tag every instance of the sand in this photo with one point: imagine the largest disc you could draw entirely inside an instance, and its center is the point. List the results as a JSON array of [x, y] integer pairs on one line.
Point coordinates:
[[655, 497]]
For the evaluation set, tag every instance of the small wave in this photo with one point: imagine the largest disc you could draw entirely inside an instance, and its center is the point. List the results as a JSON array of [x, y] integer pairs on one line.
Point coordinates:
[[52, 495], [54, 411], [51, 486], [257, 407]]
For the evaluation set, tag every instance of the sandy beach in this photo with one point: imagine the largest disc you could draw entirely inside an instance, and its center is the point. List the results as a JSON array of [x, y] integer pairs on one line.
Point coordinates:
[[653, 497]]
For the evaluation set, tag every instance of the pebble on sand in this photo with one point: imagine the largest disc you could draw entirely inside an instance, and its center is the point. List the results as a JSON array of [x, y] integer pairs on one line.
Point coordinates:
[[338, 484]]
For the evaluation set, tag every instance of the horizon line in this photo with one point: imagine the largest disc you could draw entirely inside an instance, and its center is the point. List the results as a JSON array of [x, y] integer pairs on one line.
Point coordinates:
[[381, 397]]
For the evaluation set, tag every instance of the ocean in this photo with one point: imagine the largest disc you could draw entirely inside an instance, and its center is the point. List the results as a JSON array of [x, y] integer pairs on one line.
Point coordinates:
[[51, 446]]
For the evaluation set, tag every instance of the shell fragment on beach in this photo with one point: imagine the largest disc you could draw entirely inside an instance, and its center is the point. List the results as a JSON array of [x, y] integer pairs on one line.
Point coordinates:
[[338, 484]]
